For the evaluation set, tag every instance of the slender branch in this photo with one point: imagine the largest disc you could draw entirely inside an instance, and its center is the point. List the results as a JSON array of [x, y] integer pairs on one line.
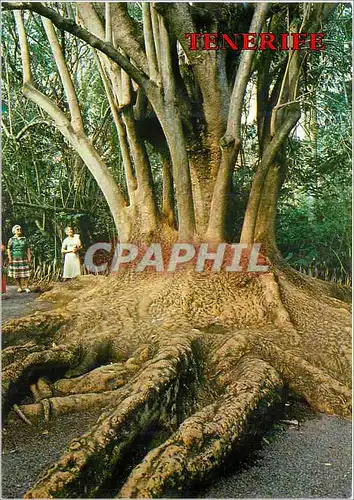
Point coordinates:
[[8, 92], [128, 169], [242, 76], [281, 134], [310, 23], [76, 119], [108, 22], [168, 79], [156, 34], [5, 129], [93, 23], [126, 96], [127, 35], [30, 125], [24, 130], [25, 57], [46, 207], [149, 41]]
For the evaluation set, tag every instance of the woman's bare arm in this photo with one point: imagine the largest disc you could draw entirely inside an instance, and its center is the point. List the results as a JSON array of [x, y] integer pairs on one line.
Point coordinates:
[[9, 254]]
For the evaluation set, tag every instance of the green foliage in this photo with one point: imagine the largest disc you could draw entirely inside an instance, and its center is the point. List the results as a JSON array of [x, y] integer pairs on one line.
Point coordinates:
[[314, 223], [316, 232]]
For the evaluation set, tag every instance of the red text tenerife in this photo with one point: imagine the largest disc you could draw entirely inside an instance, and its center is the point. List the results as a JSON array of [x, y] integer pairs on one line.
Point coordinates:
[[255, 41]]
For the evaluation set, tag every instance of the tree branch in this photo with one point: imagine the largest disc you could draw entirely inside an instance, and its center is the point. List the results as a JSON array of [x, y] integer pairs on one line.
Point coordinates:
[[250, 219], [156, 34], [71, 27], [125, 36], [25, 57], [108, 16], [80, 142], [24, 130], [128, 169], [242, 77], [47, 208], [76, 118], [149, 42]]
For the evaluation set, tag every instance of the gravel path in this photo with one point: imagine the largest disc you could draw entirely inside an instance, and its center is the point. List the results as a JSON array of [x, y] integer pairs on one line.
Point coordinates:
[[306, 461], [16, 304], [27, 451]]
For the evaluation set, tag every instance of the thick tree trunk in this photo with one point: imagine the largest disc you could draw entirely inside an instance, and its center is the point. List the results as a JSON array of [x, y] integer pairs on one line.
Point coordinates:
[[144, 195], [265, 230], [203, 181], [167, 193], [167, 111], [266, 218], [217, 219], [269, 155]]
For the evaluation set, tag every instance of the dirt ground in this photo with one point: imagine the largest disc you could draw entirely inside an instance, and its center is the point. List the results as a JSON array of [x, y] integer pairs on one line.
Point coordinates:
[[15, 305]]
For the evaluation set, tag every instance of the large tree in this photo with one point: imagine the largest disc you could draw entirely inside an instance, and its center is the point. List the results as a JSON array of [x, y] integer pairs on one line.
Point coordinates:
[[201, 356]]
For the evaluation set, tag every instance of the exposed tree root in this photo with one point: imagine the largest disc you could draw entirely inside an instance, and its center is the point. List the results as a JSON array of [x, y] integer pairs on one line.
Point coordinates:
[[22, 415], [204, 440], [19, 372], [98, 388], [35, 327], [320, 390], [154, 391], [201, 357]]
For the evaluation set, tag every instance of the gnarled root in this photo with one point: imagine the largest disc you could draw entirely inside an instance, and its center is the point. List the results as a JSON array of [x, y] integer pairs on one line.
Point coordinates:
[[34, 327], [218, 383], [97, 388], [320, 390], [43, 411], [155, 389], [17, 373], [205, 439]]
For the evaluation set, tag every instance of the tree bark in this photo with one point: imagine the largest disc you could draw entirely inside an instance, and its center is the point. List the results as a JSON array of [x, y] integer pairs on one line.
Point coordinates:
[[266, 217], [167, 193], [250, 219], [170, 120]]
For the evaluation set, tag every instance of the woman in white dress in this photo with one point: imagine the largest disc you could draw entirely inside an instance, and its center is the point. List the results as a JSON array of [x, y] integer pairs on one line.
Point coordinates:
[[70, 248]]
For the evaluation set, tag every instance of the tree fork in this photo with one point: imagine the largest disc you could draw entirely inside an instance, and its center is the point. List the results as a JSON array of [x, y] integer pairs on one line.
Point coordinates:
[[231, 140]]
